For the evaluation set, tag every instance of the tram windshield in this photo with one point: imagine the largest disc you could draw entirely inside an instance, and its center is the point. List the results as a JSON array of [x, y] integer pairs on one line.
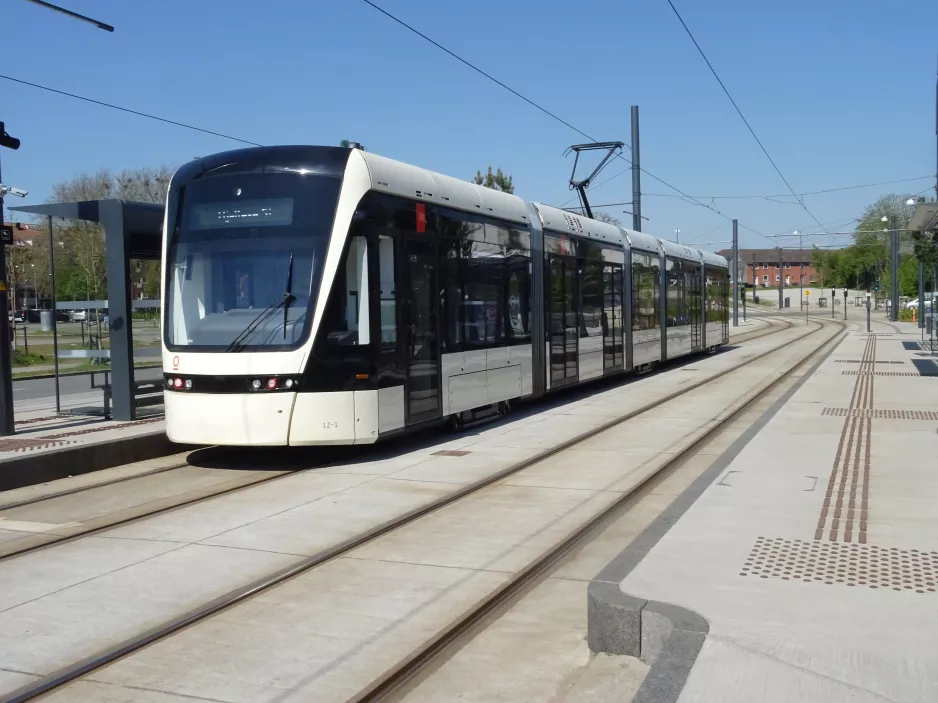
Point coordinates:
[[245, 260]]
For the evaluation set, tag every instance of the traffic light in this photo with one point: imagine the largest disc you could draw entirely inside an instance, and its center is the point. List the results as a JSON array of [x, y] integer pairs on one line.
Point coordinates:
[[8, 141]]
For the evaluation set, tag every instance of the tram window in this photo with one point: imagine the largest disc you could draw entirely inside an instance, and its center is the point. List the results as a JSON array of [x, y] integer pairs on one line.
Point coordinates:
[[346, 321], [645, 291], [591, 309], [519, 299], [677, 293], [483, 303], [387, 296]]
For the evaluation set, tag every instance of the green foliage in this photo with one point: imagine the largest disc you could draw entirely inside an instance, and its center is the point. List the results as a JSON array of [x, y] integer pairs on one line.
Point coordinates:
[[80, 256], [495, 181], [21, 358], [867, 262], [905, 315]]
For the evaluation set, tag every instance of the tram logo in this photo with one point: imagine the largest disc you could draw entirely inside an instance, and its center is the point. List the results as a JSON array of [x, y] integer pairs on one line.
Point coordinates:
[[175, 363]]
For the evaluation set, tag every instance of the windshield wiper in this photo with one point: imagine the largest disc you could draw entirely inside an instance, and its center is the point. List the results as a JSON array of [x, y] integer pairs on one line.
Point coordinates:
[[288, 296], [239, 342]]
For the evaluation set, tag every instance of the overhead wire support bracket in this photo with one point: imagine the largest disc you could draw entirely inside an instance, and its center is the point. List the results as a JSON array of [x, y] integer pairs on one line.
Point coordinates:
[[612, 149]]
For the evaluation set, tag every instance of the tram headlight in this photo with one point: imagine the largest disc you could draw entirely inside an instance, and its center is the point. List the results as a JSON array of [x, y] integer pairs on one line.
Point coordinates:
[[177, 383], [188, 383], [256, 384], [271, 384], [288, 383]]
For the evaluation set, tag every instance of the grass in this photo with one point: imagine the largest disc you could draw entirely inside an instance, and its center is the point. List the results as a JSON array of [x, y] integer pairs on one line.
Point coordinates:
[[21, 358]]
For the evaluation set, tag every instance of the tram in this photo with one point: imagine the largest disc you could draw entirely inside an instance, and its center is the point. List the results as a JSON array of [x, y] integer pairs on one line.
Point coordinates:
[[327, 295]]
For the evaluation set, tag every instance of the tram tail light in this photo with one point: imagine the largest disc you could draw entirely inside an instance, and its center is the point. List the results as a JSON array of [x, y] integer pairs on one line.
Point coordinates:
[[271, 383]]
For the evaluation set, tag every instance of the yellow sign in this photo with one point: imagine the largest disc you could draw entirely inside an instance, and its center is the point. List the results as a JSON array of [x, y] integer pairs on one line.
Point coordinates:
[[3, 286], [807, 292]]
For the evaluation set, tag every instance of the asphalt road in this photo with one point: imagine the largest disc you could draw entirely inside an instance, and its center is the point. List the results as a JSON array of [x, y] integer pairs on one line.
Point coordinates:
[[33, 388]]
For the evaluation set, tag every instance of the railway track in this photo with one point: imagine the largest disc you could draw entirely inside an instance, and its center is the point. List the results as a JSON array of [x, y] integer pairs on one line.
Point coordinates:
[[394, 679], [396, 682], [33, 542]]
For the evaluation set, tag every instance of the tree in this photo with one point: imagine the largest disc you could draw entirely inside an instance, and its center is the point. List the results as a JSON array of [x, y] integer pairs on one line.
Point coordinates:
[[607, 218], [495, 181], [867, 262], [81, 270]]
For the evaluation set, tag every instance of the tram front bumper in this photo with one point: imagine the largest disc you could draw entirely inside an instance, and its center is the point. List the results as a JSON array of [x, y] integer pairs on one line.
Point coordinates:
[[249, 419], [272, 419]]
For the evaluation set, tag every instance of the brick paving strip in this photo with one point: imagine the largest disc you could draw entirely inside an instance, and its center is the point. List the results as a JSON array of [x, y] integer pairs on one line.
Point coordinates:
[[854, 442]]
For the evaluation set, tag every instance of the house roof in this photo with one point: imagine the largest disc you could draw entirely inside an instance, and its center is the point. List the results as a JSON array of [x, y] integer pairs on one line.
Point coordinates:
[[769, 256], [25, 233]]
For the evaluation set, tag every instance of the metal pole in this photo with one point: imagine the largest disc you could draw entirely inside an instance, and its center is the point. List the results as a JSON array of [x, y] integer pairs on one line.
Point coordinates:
[[779, 276], [6, 364], [894, 282], [921, 294], [801, 277], [55, 333], [867, 312], [736, 274], [833, 300], [636, 174]]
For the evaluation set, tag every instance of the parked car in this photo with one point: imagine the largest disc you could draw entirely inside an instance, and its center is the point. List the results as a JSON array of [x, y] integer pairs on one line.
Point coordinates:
[[913, 304], [78, 316]]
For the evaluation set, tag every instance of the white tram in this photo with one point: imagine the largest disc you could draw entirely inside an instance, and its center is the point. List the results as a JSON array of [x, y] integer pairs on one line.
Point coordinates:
[[325, 295]]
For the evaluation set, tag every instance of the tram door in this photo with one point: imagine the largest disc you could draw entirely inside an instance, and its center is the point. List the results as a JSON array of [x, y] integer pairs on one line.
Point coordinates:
[[421, 329], [562, 320], [695, 306], [613, 300]]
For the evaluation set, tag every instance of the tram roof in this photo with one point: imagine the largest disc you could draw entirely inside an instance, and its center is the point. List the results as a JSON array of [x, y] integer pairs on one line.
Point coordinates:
[[410, 181]]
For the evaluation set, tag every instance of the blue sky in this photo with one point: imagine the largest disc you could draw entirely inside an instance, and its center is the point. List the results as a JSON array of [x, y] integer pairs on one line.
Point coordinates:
[[841, 92]]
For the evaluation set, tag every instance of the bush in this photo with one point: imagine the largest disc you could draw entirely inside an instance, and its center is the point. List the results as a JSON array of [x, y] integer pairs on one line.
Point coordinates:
[[905, 315]]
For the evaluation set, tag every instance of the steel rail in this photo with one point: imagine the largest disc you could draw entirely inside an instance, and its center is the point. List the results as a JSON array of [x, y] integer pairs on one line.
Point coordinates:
[[755, 334], [130, 645], [400, 677]]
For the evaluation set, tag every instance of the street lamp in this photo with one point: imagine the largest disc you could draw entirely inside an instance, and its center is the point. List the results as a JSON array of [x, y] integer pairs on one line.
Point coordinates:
[[677, 236], [921, 286], [894, 273]]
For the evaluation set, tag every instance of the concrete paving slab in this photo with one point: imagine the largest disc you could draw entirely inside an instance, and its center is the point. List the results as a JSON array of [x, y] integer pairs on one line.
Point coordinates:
[[226, 513], [356, 630], [552, 632], [108, 693], [54, 629], [316, 525], [749, 676], [802, 613]]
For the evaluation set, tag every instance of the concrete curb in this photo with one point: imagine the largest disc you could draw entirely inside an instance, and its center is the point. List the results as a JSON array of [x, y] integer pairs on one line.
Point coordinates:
[[17, 472], [666, 637]]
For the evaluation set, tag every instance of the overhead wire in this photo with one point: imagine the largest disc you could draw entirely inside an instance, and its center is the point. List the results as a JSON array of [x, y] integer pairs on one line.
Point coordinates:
[[127, 109], [741, 115], [544, 110]]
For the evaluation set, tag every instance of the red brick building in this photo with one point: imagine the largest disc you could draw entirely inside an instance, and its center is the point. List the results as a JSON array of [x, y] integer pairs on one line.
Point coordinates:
[[761, 267]]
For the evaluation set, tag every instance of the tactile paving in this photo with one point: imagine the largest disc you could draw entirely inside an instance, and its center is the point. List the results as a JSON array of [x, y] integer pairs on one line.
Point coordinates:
[[921, 374], [836, 563], [882, 414]]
